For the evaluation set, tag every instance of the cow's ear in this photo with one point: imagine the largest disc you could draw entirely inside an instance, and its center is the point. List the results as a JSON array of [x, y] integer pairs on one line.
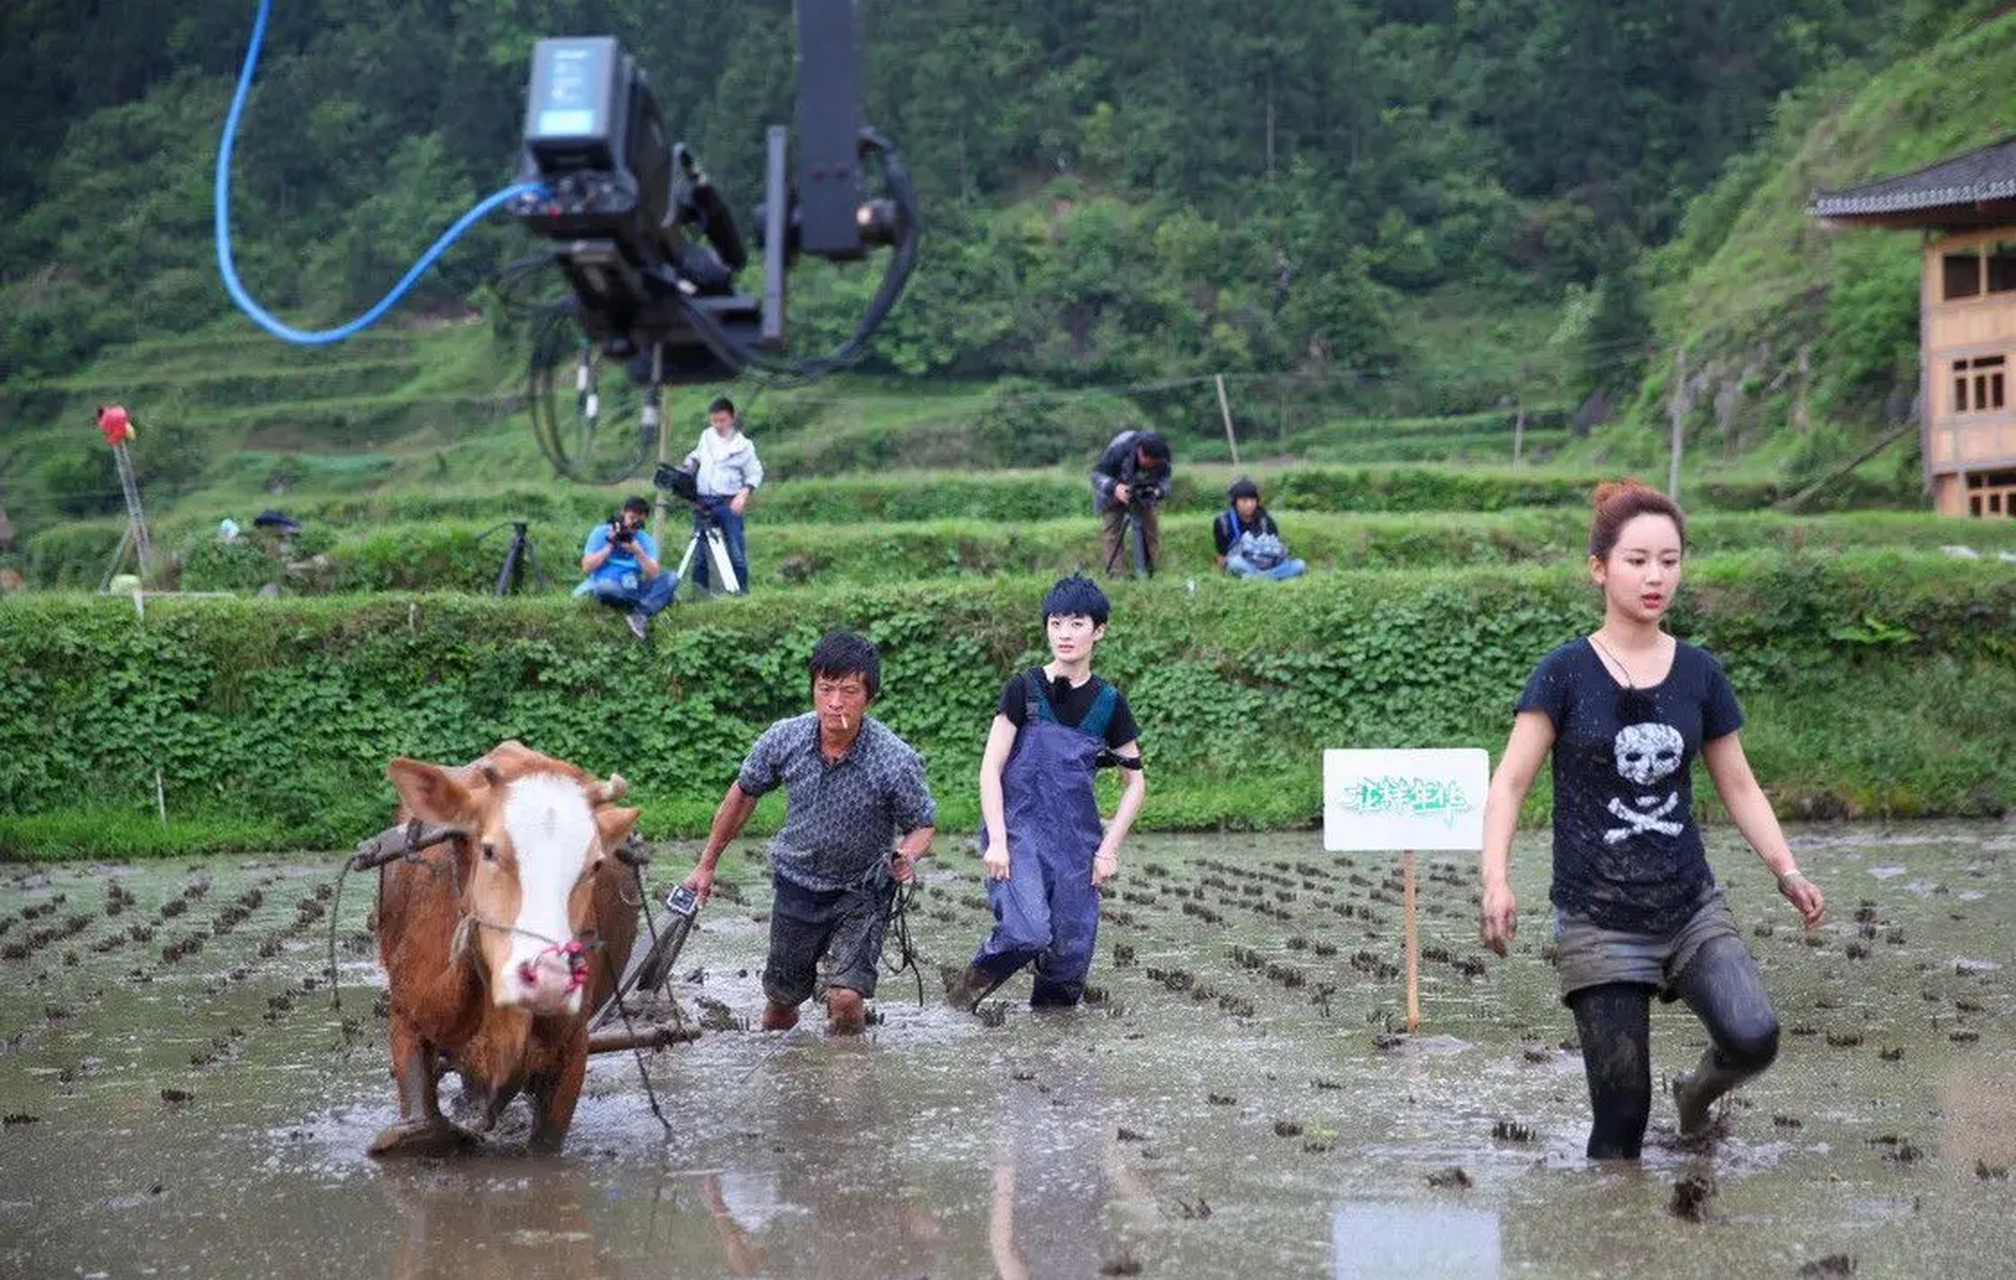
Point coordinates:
[[615, 825], [429, 792]]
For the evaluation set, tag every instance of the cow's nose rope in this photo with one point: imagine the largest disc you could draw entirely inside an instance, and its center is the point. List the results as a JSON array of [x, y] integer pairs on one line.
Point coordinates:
[[574, 950]]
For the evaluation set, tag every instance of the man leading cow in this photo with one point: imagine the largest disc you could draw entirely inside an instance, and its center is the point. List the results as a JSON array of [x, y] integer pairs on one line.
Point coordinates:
[[851, 788]]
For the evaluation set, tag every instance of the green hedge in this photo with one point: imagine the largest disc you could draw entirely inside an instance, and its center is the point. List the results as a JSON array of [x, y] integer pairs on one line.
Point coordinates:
[[1875, 682], [445, 555], [893, 496]]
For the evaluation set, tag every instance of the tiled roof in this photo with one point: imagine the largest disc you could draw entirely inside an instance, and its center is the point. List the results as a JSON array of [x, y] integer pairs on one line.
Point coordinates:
[[1988, 173]]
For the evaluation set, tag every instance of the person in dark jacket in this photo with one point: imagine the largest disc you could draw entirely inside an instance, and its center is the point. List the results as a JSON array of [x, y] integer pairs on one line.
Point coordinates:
[[1248, 541], [1133, 472]]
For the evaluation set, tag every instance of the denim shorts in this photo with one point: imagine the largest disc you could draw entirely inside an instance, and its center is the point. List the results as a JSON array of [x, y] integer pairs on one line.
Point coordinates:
[[844, 926], [1591, 956]]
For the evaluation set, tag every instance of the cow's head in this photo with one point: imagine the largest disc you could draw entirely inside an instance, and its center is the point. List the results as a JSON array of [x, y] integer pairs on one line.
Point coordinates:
[[534, 847]]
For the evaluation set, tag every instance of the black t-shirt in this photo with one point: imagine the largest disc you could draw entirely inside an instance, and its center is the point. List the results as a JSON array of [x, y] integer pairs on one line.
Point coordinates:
[[1070, 709], [1627, 853]]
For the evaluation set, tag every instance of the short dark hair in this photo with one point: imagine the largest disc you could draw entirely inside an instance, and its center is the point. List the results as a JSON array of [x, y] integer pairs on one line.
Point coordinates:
[[1152, 444], [634, 503], [1243, 488], [846, 653], [722, 404], [1076, 597]]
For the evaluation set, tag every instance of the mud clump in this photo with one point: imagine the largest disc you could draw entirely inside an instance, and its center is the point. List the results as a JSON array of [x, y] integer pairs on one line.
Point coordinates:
[[1221, 1099], [1834, 1264], [1123, 955], [16, 1118], [1126, 1264], [716, 1016], [1511, 1131], [177, 1097], [1452, 1177], [1287, 1128], [1691, 1196], [1991, 1172]]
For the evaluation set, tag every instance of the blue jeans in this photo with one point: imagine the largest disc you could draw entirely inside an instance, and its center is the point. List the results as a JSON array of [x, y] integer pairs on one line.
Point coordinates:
[[647, 598], [1240, 567], [731, 531]]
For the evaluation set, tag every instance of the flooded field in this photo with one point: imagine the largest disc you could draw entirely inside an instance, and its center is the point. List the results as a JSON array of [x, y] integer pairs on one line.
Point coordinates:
[[180, 1098]]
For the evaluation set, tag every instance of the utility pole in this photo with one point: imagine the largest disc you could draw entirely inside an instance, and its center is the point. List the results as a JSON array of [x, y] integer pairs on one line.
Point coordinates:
[[1676, 412]]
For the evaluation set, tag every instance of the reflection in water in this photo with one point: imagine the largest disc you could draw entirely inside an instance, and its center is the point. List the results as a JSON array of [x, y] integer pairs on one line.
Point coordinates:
[[527, 1222], [1372, 1241], [833, 1201], [1977, 1112], [1055, 1168]]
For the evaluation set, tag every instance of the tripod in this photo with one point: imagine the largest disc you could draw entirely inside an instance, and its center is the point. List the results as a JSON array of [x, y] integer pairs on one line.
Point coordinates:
[[706, 528], [516, 556], [1134, 537]]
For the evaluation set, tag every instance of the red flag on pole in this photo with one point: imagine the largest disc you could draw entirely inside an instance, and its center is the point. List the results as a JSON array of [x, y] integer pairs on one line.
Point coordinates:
[[114, 422]]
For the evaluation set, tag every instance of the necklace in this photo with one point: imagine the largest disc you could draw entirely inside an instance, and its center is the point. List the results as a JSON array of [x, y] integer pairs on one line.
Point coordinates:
[[1634, 705], [1615, 661]]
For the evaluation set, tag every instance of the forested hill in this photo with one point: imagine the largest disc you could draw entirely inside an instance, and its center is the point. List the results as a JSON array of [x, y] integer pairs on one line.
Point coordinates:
[[1117, 191]]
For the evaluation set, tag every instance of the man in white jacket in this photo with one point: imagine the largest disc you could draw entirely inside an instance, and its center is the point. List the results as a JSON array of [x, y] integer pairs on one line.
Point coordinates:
[[726, 472]]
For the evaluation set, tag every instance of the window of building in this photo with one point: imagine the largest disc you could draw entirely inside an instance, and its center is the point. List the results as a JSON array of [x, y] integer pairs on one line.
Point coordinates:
[[2002, 268], [1962, 275], [1992, 493], [1978, 385]]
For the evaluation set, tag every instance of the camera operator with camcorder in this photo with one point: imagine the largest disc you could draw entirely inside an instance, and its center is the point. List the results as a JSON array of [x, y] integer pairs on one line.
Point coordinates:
[[1133, 473], [726, 471], [621, 561]]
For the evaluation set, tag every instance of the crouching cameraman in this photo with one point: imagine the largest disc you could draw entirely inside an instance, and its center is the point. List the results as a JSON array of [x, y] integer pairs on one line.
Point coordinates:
[[621, 561], [1132, 473]]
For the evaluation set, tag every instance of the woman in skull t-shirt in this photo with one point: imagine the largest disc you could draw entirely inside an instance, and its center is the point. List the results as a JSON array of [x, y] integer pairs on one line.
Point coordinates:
[[1625, 711]]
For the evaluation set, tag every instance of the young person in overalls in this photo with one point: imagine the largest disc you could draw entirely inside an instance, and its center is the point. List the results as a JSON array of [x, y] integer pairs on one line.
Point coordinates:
[[1046, 852]]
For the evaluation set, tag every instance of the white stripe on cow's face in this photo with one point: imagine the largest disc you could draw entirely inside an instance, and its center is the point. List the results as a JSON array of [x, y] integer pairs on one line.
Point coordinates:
[[553, 833]]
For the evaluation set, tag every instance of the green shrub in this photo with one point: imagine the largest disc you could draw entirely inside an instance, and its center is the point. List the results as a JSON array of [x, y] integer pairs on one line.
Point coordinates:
[[286, 711]]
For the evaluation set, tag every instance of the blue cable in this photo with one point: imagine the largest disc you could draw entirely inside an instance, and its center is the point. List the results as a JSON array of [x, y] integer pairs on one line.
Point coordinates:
[[225, 266]]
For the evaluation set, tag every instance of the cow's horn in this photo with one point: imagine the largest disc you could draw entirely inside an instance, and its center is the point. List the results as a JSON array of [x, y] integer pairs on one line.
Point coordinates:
[[611, 791]]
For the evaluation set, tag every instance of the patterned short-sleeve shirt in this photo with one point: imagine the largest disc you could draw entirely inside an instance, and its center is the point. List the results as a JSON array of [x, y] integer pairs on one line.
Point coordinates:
[[840, 818]]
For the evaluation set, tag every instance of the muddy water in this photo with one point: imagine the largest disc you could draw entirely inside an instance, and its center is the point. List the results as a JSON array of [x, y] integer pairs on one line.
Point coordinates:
[[1235, 1105]]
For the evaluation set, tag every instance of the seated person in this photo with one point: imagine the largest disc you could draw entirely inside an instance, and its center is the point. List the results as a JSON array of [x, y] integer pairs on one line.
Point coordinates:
[[621, 561], [1248, 540]]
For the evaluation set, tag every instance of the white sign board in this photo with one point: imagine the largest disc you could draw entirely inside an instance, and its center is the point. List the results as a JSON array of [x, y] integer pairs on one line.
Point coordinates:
[[1401, 1242], [1405, 799]]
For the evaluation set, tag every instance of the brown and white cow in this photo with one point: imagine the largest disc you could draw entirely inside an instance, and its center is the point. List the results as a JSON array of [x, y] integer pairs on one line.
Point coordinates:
[[499, 942]]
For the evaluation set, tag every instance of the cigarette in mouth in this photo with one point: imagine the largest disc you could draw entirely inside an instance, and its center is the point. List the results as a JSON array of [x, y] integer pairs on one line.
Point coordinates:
[[843, 722]]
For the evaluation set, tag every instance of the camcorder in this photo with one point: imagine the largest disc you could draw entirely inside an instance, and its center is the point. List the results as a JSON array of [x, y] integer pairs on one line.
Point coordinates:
[[647, 244], [619, 533], [680, 482]]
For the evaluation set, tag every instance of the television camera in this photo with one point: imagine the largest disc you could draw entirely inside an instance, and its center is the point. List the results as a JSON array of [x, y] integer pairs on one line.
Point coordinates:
[[649, 248]]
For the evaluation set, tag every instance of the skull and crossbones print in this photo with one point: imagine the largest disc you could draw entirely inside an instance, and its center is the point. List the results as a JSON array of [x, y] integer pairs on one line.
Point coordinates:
[[1646, 755]]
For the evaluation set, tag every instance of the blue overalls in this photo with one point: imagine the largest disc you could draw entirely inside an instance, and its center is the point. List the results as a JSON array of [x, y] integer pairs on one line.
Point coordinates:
[[1047, 912]]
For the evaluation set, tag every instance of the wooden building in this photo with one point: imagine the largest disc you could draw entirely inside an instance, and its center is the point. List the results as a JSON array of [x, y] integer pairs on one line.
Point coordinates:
[[1965, 208]]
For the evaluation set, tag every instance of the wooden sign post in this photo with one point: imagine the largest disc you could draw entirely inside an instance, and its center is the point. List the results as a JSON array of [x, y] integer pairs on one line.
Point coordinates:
[[1405, 799]]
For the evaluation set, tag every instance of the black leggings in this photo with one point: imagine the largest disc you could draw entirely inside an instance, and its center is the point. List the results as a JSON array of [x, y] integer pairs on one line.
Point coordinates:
[[1723, 987]]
